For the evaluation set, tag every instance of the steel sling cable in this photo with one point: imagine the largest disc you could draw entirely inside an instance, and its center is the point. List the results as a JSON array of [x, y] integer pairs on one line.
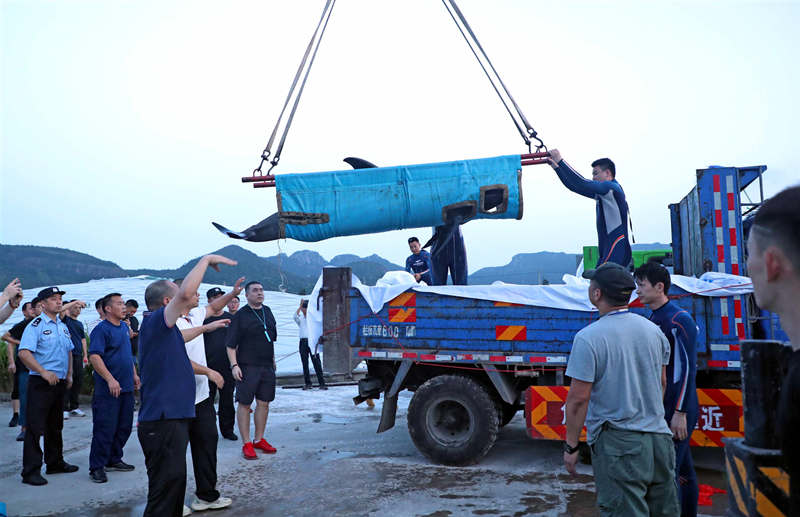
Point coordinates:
[[265, 154], [529, 132], [277, 156]]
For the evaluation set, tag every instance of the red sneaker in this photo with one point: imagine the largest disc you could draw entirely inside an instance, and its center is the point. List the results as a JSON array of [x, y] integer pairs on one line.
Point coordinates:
[[249, 452], [265, 446]]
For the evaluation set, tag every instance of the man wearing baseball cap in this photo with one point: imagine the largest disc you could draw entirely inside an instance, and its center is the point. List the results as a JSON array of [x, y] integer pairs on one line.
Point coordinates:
[[217, 357], [618, 371], [46, 348]]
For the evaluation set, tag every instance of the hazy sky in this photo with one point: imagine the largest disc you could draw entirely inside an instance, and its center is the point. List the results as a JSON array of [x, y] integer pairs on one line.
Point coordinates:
[[127, 125]]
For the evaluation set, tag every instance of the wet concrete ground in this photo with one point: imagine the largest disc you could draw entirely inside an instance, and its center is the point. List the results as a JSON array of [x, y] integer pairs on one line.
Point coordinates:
[[331, 462]]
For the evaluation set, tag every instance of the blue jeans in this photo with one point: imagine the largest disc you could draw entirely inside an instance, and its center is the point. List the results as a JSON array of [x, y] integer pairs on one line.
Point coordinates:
[[23, 396]]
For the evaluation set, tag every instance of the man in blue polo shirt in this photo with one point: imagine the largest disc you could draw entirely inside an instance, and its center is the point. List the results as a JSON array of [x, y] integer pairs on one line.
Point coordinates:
[[46, 349], [168, 388], [114, 381]]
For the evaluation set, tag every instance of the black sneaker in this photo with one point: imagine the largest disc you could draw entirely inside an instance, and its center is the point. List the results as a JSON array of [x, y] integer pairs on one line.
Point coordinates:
[[230, 435], [14, 420], [21, 436], [64, 468], [323, 387], [34, 479], [307, 387], [98, 476], [120, 466]]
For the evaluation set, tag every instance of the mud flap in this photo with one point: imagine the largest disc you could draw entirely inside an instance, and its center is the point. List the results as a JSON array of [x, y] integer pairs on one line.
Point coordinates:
[[502, 384], [388, 413]]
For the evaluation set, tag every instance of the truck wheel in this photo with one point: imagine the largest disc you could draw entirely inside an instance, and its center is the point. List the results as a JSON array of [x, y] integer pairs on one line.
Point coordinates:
[[453, 420]]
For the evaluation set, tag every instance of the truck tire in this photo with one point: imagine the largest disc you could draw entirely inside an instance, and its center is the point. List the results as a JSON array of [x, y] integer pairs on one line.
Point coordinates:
[[453, 420]]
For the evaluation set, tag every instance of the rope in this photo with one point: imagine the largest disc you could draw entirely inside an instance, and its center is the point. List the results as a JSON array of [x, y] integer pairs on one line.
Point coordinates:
[[282, 286], [529, 132]]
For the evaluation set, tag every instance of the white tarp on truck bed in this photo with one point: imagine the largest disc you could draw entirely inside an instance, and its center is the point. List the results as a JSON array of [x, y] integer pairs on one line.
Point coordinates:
[[571, 295]]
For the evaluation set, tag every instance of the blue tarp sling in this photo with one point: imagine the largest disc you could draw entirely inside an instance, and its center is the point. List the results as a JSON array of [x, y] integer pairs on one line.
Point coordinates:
[[320, 205]]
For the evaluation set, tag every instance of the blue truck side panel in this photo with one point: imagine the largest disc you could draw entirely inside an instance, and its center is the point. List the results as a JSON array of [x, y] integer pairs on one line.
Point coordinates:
[[438, 323]]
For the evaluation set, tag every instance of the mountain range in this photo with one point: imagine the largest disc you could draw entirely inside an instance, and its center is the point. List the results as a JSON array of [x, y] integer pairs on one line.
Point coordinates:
[[39, 266]]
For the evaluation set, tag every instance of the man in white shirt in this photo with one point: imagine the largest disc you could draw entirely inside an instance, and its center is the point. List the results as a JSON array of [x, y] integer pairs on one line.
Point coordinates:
[[305, 351], [202, 429], [98, 306]]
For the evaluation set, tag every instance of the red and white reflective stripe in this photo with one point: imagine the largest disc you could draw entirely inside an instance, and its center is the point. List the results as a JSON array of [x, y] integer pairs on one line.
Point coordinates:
[[725, 348], [725, 364], [723, 311], [718, 225], [734, 249], [548, 359], [382, 354], [737, 315]]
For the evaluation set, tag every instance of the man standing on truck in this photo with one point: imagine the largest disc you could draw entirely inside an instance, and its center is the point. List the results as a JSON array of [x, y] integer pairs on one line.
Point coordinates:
[[680, 398], [419, 262], [618, 370], [773, 264], [613, 244]]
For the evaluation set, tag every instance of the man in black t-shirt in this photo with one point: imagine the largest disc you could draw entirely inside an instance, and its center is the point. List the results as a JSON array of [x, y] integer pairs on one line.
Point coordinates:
[[251, 354], [773, 264], [217, 359], [19, 392]]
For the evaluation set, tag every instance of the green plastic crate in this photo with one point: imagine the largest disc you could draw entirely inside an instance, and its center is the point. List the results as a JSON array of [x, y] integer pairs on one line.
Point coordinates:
[[639, 256]]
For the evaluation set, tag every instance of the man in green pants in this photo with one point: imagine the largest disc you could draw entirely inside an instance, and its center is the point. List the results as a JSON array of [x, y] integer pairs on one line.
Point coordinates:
[[618, 370]]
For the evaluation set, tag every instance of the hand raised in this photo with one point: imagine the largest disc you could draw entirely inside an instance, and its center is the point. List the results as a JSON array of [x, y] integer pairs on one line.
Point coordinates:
[[215, 260], [555, 157], [237, 287], [13, 289]]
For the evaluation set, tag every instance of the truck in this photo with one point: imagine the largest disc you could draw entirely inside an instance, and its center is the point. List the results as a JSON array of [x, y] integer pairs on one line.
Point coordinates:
[[474, 356]]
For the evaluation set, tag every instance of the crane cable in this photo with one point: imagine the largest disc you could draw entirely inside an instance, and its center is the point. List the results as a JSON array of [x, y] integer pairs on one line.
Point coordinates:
[[528, 133], [265, 154]]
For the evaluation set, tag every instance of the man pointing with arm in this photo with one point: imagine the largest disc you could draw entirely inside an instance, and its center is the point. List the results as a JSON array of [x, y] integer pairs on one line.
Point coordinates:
[[168, 388]]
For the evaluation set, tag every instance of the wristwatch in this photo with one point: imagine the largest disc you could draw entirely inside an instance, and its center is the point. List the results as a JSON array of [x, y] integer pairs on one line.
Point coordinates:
[[571, 450]]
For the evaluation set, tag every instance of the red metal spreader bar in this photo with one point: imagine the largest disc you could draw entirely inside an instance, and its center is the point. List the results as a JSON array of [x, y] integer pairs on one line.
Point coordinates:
[[534, 158], [260, 181], [268, 180]]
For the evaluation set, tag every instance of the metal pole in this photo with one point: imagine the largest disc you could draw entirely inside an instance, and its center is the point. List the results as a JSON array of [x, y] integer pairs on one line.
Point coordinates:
[[336, 284]]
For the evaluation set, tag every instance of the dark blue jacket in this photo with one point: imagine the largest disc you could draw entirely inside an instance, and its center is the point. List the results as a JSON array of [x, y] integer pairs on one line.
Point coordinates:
[[681, 331], [612, 213], [420, 263]]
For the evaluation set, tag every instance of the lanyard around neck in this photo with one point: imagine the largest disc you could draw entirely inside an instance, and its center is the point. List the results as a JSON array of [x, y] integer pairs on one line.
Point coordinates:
[[263, 320]]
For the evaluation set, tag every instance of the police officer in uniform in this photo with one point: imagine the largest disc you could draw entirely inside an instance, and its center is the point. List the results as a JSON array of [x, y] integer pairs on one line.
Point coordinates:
[[45, 348]]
